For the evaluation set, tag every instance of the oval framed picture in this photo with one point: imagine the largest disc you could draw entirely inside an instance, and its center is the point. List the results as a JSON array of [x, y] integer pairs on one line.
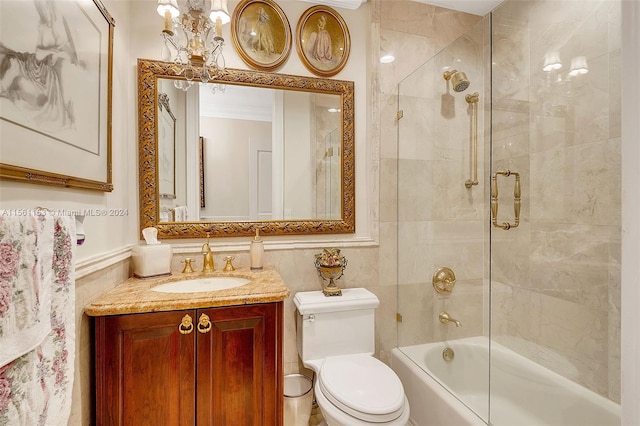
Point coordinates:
[[261, 34], [323, 41]]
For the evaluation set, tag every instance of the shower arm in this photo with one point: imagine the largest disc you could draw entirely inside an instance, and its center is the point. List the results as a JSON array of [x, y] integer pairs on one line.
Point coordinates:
[[472, 100]]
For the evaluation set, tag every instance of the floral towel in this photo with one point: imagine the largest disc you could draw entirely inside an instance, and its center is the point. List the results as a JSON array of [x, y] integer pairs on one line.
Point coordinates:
[[36, 388], [25, 284]]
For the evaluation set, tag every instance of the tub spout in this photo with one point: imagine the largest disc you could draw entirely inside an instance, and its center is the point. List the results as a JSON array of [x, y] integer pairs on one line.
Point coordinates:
[[445, 318]]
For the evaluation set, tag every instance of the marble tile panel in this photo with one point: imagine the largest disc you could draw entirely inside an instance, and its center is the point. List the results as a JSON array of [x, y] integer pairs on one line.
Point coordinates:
[[415, 304], [510, 133], [510, 315], [510, 72], [452, 200], [614, 357], [410, 52], [415, 190], [388, 275], [554, 25], [615, 24], [578, 333], [388, 126], [579, 184], [566, 337], [419, 255], [510, 255], [442, 25], [385, 317], [422, 81], [416, 130], [615, 94], [388, 190], [572, 263], [615, 273]]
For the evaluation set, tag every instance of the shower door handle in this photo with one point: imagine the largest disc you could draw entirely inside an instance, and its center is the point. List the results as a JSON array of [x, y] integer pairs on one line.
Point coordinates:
[[494, 200]]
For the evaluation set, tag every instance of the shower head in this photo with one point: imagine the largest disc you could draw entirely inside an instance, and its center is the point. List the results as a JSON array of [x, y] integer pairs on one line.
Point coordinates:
[[459, 80]]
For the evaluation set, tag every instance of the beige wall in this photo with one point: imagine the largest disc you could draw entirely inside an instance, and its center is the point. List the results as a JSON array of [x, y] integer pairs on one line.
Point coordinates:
[[226, 174]]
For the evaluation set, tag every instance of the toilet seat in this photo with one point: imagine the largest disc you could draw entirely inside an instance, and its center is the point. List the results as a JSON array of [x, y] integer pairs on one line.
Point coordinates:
[[363, 387]]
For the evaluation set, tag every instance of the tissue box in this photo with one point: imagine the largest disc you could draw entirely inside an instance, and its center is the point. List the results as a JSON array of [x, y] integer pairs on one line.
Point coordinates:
[[151, 260]]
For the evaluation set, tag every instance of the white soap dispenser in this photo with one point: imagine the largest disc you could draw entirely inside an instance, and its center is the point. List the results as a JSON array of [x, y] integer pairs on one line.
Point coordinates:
[[256, 251]]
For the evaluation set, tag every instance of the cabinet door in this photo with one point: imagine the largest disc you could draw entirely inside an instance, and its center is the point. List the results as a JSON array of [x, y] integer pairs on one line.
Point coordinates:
[[239, 377], [145, 372]]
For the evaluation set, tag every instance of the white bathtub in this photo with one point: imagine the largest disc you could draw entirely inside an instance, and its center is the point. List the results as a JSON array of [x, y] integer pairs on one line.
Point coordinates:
[[522, 392]]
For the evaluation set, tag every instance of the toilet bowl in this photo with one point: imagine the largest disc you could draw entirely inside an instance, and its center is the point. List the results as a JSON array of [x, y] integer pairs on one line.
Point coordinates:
[[336, 340]]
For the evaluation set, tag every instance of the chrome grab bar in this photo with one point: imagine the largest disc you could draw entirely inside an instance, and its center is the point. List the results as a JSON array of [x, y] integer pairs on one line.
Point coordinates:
[[494, 200]]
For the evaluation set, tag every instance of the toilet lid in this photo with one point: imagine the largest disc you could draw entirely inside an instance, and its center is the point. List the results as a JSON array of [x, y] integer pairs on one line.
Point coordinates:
[[363, 387]]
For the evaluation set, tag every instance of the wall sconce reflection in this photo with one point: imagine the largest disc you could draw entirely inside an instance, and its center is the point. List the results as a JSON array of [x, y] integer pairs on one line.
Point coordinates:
[[552, 62], [578, 66]]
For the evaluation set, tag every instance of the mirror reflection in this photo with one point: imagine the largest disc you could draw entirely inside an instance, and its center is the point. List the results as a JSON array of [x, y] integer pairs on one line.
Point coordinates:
[[263, 154], [249, 149]]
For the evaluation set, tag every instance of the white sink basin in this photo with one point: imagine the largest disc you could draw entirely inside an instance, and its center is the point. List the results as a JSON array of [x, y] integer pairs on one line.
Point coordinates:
[[201, 285]]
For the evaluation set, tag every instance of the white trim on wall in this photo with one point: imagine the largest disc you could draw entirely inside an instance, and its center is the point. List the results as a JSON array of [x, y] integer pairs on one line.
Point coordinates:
[[102, 261]]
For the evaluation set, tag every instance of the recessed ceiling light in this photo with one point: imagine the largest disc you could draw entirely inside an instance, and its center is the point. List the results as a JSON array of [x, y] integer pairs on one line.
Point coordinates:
[[387, 59]]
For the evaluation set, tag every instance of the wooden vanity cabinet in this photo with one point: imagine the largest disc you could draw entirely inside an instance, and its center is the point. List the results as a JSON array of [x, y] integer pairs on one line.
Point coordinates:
[[225, 368]]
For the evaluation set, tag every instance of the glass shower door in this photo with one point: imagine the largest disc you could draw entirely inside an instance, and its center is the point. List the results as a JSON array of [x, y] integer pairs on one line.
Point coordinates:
[[441, 218], [556, 212]]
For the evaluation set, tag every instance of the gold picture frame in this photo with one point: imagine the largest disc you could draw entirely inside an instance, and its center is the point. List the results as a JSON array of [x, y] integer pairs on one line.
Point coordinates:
[[201, 161], [261, 34], [61, 135], [323, 41]]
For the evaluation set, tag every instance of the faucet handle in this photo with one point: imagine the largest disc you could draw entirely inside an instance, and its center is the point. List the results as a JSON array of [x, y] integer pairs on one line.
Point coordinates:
[[187, 265], [229, 266]]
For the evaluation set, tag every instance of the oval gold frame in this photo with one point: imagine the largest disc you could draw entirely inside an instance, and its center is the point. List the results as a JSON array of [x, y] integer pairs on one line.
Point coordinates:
[[148, 73], [336, 27], [282, 36]]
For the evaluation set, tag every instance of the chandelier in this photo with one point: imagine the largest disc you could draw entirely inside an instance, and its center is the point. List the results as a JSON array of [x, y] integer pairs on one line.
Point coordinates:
[[193, 37]]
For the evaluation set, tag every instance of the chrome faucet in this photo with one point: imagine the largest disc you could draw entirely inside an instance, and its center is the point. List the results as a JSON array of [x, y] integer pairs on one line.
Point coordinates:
[[207, 264], [445, 318]]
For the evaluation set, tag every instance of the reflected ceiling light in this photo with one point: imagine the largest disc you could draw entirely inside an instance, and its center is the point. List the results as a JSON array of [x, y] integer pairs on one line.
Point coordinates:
[[387, 59], [578, 66], [551, 62], [333, 109], [193, 36]]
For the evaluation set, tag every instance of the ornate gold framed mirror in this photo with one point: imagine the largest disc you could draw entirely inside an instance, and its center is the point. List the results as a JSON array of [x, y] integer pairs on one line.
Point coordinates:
[[306, 185]]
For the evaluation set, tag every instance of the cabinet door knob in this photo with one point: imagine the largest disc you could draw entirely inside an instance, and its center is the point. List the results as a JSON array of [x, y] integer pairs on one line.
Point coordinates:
[[186, 326], [204, 324]]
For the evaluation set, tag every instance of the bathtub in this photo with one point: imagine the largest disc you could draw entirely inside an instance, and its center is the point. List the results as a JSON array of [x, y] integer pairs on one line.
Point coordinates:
[[522, 392]]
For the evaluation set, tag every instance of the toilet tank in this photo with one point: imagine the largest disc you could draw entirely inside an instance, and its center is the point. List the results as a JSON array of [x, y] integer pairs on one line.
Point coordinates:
[[335, 325]]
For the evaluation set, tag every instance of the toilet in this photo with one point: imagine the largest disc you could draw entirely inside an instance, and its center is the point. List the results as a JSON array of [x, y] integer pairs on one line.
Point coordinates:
[[335, 339]]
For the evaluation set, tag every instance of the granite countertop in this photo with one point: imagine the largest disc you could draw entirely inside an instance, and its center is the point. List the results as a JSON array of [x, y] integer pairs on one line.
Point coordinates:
[[135, 296]]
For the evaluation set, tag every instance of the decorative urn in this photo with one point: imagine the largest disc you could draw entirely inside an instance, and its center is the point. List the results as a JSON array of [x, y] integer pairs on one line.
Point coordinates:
[[330, 265]]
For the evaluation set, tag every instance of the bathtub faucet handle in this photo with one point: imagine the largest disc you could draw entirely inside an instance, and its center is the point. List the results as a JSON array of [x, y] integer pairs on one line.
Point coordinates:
[[445, 318]]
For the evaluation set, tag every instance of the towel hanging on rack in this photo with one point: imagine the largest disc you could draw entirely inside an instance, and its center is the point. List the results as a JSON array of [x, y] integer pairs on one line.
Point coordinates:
[[36, 388], [25, 284]]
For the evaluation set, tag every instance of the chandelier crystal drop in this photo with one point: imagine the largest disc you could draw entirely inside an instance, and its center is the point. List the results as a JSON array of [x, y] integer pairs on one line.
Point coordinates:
[[193, 39]]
